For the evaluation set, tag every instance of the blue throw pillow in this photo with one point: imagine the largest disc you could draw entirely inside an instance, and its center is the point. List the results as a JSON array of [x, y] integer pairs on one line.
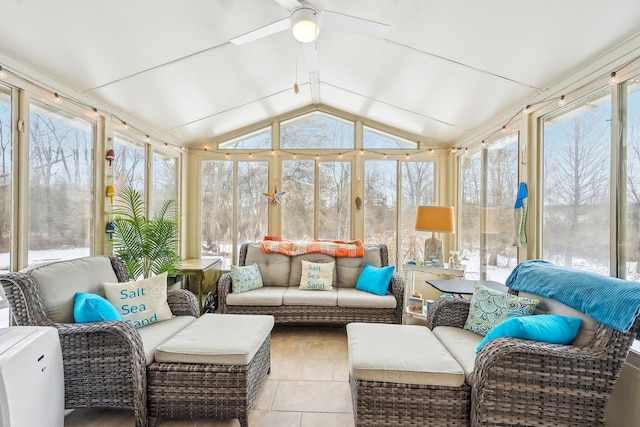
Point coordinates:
[[93, 308], [549, 328], [375, 279]]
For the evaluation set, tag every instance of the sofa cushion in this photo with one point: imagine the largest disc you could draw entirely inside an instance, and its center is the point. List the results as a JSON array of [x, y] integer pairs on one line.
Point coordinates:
[[397, 354], [231, 339], [462, 344], [59, 281], [268, 296], [317, 276], [140, 302], [375, 280], [490, 307], [551, 306], [156, 333], [348, 297], [89, 308], [550, 328], [245, 279], [296, 267], [274, 268], [348, 269], [295, 296]]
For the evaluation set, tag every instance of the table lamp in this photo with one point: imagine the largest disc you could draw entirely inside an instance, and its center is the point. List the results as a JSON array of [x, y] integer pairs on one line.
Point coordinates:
[[437, 219]]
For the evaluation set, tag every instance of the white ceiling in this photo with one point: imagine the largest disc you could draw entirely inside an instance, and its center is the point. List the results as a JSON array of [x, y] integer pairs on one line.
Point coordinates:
[[443, 69]]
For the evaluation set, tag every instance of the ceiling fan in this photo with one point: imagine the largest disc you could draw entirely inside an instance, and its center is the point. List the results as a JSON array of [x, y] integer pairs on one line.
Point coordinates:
[[305, 21]]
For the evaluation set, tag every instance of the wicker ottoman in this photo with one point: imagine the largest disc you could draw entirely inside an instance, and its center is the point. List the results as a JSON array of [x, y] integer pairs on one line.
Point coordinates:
[[213, 368], [401, 375]]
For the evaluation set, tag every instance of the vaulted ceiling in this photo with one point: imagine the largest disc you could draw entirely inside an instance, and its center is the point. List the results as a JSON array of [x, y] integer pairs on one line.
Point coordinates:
[[442, 69]]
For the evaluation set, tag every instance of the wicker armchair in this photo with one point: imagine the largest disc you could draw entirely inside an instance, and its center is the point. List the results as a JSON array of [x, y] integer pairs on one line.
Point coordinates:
[[104, 362], [523, 382]]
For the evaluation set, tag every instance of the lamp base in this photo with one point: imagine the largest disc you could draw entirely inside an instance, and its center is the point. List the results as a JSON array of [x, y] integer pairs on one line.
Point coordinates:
[[433, 251]]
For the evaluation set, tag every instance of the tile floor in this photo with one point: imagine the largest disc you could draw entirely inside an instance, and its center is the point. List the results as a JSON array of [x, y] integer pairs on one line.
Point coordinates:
[[308, 386]]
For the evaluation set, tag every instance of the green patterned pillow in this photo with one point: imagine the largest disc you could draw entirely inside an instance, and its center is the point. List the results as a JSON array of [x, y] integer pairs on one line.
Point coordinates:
[[490, 307], [245, 279]]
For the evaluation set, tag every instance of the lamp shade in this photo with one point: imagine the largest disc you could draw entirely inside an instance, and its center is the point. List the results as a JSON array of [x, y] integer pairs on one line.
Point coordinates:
[[437, 219]]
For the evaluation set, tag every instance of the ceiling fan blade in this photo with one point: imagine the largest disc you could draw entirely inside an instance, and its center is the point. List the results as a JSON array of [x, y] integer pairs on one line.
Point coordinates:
[[289, 4], [267, 30], [310, 56], [351, 24]]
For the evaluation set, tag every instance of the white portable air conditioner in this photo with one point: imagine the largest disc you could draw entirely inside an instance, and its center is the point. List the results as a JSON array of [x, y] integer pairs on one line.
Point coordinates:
[[31, 377]]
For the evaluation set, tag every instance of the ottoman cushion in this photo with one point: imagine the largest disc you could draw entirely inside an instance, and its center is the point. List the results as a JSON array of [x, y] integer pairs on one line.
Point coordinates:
[[156, 333], [405, 354], [224, 339]]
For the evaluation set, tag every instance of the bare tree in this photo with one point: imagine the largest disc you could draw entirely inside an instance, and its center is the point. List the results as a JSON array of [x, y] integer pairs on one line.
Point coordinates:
[[576, 188]]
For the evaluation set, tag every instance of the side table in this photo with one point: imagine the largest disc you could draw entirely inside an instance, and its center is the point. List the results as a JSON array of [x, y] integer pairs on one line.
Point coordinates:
[[410, 278], [198, 267]]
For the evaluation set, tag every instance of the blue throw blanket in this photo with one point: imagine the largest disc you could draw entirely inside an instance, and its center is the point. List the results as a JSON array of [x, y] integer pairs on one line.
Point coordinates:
[[613, 302]]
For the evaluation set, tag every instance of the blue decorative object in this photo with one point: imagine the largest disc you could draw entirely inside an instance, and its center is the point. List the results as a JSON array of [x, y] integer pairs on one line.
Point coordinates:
[[89, 307], [375, 279], [110, 229], [613, 302], [549, 328]]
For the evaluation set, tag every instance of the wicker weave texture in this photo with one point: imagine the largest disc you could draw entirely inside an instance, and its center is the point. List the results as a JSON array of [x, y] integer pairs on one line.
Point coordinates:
[[377, 403], [189, 390]]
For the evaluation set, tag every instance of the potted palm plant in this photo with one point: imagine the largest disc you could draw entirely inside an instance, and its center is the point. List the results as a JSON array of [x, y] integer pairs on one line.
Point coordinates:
[[148, 246]]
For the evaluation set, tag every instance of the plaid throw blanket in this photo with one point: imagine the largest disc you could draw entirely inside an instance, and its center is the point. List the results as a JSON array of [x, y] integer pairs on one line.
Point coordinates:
[[336, 248]]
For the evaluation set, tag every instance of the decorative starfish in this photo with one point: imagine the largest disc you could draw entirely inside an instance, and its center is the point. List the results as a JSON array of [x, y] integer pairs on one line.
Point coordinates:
[[275, 196]]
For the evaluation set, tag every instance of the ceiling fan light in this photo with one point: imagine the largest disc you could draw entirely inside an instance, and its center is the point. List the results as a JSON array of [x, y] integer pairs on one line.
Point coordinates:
[[304, 24]]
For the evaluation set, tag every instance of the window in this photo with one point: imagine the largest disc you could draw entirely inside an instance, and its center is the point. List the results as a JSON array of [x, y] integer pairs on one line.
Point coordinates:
[[498, 229], [129, 164], [218, 202], [576, 173], [165, 180], [60, 184], [256, 140], [631, 235], [6, 182], [298, 180], [216, 211], [380, 203], [253, 207], [418, 189], [317, 130], [468, 229], [377, 139], [334, 200]]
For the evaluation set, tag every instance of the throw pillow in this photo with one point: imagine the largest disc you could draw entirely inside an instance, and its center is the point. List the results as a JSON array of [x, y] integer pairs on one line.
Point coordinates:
[[140, 302], [317, 276], [245, 279], [375, 280], [93, 308], [550, 328], [490, 307]]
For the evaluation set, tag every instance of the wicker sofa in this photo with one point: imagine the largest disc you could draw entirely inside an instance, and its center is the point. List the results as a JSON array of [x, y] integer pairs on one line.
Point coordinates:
[[281, 297], [525, 382], [105, 363]]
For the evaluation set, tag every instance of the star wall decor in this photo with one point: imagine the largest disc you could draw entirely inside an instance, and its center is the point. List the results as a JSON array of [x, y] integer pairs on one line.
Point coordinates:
[[275, 196]]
